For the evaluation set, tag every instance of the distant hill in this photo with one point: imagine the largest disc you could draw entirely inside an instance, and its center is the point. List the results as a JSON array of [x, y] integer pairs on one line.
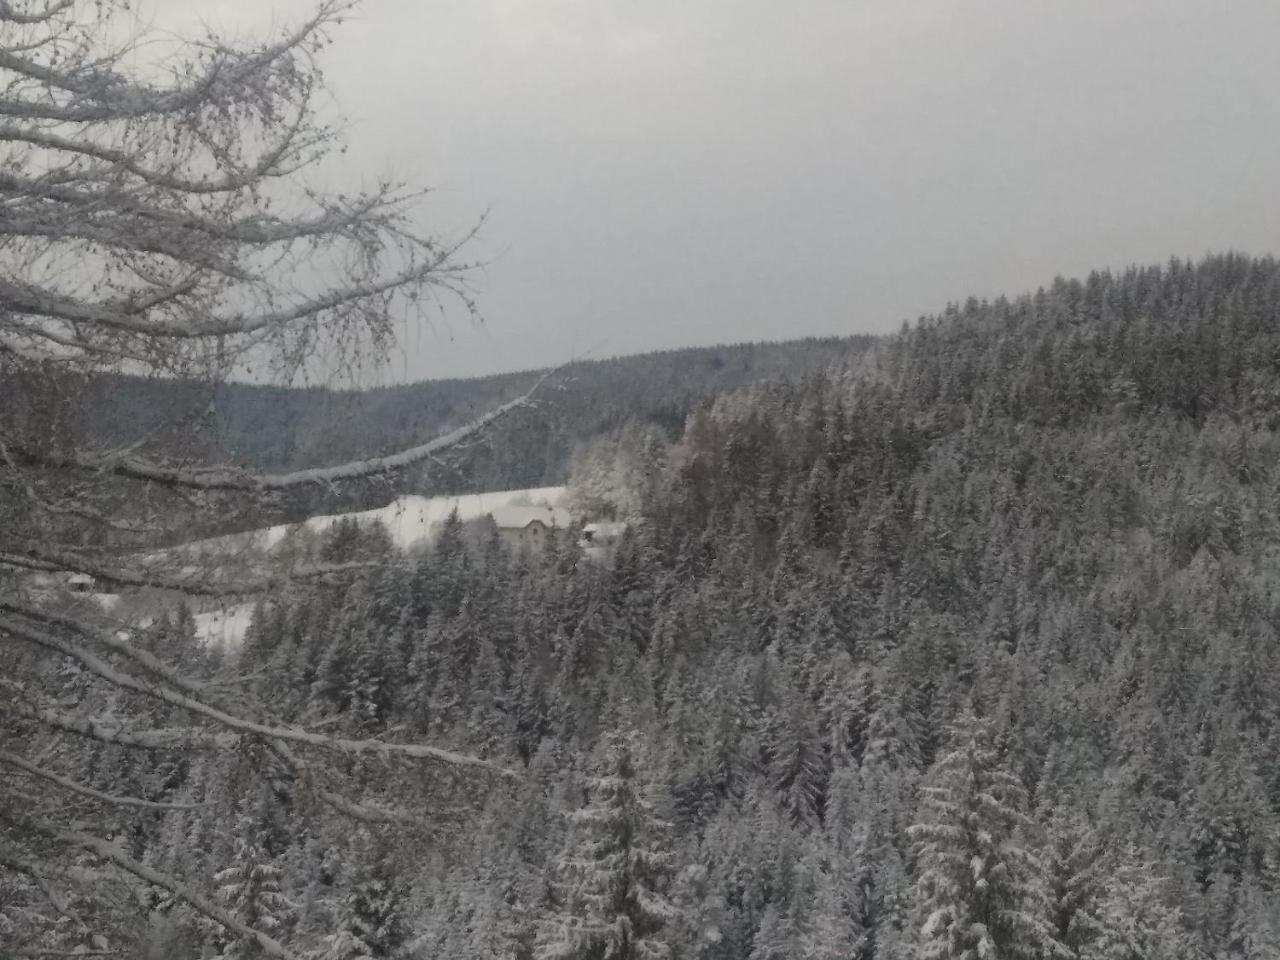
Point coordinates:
[[272, 427]]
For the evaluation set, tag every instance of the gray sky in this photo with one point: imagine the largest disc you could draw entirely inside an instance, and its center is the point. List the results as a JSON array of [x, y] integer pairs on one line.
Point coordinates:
[[662, 174]]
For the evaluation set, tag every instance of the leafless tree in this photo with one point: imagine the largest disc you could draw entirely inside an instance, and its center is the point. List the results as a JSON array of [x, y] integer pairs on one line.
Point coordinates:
[[161, 213]]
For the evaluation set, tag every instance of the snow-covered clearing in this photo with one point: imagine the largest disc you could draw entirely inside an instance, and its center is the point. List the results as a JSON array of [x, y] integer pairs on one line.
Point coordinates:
[[224, 627], [412, 521]]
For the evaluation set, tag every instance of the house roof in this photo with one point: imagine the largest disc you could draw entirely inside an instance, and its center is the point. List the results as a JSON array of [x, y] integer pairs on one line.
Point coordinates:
[[519, 517], [606, 528]]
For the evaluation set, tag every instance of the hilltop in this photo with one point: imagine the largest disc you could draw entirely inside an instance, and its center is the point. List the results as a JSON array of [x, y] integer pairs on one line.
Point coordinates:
[[274, 428]]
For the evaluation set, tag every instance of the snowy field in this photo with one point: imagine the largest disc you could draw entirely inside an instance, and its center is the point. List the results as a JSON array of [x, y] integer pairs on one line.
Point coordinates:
[[412, 521], [223, 627]]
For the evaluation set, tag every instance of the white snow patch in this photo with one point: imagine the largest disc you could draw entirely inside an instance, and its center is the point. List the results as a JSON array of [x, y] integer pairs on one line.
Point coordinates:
[[223, 628], [411, 520]]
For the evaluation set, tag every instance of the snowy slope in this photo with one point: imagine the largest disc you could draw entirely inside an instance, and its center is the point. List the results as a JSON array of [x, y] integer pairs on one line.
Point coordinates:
[[411, 520], [224, 627]]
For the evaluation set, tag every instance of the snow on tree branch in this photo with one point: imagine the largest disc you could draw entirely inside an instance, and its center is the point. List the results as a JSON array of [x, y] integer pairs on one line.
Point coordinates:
[[231, 478]]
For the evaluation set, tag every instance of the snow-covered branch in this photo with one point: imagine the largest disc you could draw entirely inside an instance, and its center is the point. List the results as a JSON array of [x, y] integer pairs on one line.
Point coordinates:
[[158, 691], [11, 14], [196, 584], [115, 642], [113, 854], [19, 763], [107, 729], [233, 478], [156, 220]]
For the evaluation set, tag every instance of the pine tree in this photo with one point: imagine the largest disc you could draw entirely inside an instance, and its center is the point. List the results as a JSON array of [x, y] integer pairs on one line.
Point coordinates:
[[250, 886], [615, 879], [1136, 920], [977, 890], [798, 767], [832, 930], [1075, 872], [778, 936], [368, 921]]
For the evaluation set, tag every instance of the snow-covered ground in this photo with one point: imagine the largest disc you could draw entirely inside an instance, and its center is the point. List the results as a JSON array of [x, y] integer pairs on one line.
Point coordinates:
[[411, 520], [223, 627]]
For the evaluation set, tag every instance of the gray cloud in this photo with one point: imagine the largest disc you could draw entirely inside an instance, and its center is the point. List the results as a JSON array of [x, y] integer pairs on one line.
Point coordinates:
[[664, 173]]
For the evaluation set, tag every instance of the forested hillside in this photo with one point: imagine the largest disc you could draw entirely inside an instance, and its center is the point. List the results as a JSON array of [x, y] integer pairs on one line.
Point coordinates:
[[275, 428], [967, 651]]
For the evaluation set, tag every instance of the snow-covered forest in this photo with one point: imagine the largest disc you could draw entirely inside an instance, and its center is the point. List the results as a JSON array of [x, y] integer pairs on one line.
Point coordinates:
[[955, 644], [973, 644]]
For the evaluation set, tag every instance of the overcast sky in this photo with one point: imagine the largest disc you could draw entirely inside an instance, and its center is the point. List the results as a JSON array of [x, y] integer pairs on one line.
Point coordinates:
[[664, 173]]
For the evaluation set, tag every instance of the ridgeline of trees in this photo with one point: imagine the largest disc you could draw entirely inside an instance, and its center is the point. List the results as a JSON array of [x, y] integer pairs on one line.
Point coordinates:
[[970, 652], [275, 428]]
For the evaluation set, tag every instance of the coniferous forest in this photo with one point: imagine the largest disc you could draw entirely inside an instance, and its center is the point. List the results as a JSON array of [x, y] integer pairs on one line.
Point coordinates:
[[964, 646], [272, 428]]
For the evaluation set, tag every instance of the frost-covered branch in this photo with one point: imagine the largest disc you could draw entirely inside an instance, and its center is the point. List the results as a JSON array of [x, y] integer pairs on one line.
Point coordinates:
[[158, 691], [159, 217], [19, 763], [115, 642], [196, 584], [231, 478], [107, 729], [113, 854]]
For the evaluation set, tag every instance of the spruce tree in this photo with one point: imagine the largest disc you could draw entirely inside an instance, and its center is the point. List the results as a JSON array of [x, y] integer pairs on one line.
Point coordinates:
[[1136, 919], [1075, 869], [616, 876], [367, 919], [251, 886], [977, 889]]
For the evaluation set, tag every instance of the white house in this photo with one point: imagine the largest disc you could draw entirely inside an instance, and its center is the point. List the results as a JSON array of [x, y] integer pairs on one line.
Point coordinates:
[[527, 526]]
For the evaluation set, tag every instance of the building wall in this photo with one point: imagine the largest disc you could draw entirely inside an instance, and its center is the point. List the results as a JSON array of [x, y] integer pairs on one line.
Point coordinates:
[[529, 537]]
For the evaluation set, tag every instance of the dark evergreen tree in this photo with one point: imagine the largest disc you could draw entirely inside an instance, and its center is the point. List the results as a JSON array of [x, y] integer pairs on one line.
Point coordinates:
[[615, 880], [978, 887]]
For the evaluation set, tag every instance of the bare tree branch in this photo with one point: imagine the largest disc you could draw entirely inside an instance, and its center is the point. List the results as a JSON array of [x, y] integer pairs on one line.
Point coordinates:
[[196, 584], [17, 762], [154, 219], [114, 642], [110, 730], [10, 14], [265, 166], [155, 690], [231, 478], [113, 854]]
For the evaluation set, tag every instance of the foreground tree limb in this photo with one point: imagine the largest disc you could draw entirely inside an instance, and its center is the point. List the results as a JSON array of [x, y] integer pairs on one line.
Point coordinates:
[[114, 642], [159, 217], [117, 733], [159, 691], [235, 479], [199, 583], [18, 763], [114, 855]]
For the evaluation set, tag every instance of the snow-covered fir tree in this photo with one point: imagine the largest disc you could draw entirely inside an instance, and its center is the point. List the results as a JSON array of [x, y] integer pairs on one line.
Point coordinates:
[[251, 886], [978, 889], [615, 877], [366, 921], [1136, 919]]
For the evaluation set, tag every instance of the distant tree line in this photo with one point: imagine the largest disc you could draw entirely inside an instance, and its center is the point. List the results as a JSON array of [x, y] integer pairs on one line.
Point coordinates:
[[274, 428]]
